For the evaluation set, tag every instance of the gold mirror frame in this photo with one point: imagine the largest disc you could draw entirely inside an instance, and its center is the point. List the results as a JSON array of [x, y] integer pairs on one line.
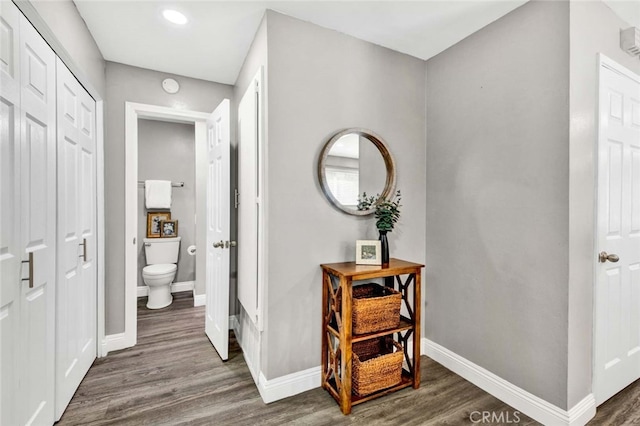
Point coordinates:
[[390, 182]]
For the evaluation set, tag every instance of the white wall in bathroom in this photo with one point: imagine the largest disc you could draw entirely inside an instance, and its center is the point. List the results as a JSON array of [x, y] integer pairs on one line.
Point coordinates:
[[166, 151]]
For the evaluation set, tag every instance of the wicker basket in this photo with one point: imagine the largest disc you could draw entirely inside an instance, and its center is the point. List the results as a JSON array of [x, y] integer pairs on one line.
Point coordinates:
[[375, 308], [376, 365]]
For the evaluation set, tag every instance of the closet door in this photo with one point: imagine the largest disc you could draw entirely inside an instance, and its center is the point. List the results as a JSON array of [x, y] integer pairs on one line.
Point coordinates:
[[76, 286], [36, 318], [10, 244]]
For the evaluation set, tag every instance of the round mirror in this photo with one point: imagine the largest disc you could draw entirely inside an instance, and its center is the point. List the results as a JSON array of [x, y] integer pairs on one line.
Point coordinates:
[[353, 162]]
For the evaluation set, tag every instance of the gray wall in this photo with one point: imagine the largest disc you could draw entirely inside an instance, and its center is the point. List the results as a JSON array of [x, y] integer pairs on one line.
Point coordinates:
[[311, 96], [126, 83], [63, 19], [497, 221], [166, 151], [594, 28]]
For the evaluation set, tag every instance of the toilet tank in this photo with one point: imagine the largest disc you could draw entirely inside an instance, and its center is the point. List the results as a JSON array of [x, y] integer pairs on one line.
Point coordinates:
[[161, 250]]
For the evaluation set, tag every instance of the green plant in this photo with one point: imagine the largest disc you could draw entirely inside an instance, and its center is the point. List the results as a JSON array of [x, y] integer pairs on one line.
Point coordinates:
[[387, 211]]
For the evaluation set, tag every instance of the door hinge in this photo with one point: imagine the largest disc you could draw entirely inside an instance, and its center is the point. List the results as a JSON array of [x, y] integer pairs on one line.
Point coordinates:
[[134, 240], [236, 201], [257, 86]]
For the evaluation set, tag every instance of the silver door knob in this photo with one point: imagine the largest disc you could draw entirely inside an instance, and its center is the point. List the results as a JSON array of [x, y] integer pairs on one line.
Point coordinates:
[[228, 244], [219, 244], [604, 256]]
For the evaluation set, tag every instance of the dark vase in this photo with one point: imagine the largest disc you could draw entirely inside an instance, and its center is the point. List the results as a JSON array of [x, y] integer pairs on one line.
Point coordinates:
[[384, 246]]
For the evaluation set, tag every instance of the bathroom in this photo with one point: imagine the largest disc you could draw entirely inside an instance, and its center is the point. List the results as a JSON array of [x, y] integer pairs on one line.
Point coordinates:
[[166, 151]]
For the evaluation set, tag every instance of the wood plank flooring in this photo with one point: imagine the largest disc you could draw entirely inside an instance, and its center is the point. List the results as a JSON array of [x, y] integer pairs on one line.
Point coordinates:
[[173, 376]]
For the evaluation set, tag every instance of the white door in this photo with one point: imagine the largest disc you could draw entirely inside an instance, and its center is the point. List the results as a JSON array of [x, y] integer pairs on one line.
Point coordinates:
[[249, 198], [617, 294], [76, 286], [10, 243], [218, 244], [36, 321]]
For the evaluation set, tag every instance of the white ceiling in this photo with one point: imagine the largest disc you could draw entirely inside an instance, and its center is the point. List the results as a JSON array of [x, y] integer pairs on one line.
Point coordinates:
[[213, 45]]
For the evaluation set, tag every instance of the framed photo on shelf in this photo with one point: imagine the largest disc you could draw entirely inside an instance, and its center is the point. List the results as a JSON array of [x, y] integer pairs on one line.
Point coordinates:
[[368, 252], [169, 228], [153, 223]]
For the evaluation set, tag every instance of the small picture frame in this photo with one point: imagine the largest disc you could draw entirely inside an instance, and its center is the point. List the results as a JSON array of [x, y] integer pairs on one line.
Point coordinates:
[[169, 228], [368, 252], [153, 223]]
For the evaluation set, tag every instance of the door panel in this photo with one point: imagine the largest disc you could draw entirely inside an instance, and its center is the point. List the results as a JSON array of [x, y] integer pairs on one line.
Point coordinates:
[[248, 205], [10, 244], [218, 229], [617, 294], [36, 318], [76, 292]]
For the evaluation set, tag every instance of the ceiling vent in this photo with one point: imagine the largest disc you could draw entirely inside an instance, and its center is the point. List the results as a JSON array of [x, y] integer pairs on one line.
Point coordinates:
[[630, 41]]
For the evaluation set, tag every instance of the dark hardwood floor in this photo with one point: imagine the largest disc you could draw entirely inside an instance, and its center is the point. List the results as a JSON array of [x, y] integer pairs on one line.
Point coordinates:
[[173, 376]]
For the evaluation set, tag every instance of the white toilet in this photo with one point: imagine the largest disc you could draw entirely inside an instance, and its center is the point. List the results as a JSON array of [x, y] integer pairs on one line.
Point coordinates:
[[162, 256]]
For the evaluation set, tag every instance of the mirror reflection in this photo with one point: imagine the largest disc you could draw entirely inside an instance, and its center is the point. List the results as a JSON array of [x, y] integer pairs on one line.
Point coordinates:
[[353, 166], [355, 162]]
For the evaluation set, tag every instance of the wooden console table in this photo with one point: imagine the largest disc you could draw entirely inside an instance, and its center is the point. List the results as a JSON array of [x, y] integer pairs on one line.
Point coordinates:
[[337, 279]]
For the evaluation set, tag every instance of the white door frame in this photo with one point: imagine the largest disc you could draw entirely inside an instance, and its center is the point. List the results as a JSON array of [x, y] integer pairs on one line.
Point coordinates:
[[100, 229], [133, 112], [603, 62]]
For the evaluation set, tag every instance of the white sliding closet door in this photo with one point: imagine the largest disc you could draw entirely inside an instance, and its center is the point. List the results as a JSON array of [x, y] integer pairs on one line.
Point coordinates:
[[38, 192], [10, 244], [77, 280], [48, 188], [35, 349]]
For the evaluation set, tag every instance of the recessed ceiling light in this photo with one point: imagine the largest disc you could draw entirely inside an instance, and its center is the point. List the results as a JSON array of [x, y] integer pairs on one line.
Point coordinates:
[[174, 16]]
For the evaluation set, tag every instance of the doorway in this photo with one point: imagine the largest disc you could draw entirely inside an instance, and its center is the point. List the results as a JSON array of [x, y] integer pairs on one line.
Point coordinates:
[[166, 151], [133, 113]]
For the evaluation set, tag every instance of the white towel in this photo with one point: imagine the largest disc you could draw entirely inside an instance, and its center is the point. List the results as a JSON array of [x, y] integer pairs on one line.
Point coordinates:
[[157, 194]]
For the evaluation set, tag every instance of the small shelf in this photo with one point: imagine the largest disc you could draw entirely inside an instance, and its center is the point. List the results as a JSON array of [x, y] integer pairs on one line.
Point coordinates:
[[337, 341], [405, 324], [405, 381]]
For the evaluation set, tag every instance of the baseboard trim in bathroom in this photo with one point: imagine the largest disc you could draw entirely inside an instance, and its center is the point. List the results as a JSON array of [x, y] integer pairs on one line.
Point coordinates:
[[113, 342], [183, 286], [199, 299], [233, 323], [143, 290]]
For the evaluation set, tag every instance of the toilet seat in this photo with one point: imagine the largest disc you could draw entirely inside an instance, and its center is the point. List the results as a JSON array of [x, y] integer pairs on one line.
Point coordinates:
[[160, 269], [158, 279]]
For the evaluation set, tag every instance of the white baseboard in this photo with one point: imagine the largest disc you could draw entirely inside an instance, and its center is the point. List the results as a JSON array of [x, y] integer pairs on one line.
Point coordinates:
[[583, 411], [199, 299], [521, 400], [233, 323], [143, 291], [114, 342], [289, 385], [183, 286], [253, 371]]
